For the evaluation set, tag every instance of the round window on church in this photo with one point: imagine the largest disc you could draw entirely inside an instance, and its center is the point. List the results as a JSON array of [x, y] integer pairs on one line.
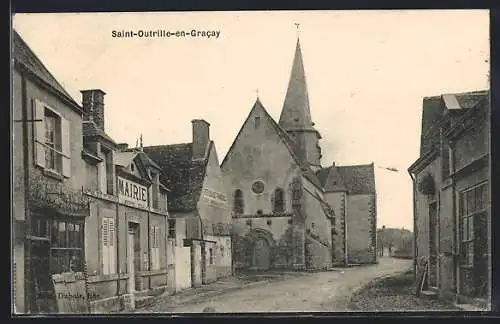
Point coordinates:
[[258, 187]]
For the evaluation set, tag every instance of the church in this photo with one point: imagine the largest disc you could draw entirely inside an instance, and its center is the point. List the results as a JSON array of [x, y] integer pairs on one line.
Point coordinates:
[[288, 210]]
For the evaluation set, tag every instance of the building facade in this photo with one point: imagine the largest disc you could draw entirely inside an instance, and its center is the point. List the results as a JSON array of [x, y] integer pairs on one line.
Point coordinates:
[[82, 204], [283, 215], [350, 190], [127, 228], [49, 206], [452, 212], [198, 206]]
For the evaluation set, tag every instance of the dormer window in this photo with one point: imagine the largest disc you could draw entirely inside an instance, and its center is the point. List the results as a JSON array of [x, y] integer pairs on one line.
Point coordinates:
[[132, 167]]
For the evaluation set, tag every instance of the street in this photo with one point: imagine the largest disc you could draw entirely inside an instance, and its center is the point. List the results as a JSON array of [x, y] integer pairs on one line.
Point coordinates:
[[312, 292]]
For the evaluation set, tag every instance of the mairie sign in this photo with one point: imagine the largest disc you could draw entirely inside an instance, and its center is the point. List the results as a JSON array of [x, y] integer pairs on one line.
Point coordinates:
[[132, 192]]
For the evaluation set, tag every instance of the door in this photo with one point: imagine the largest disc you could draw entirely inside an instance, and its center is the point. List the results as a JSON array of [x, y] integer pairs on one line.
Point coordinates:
[[42, 298], [131, 262], [481, 256], [261, 254], [433, 241]]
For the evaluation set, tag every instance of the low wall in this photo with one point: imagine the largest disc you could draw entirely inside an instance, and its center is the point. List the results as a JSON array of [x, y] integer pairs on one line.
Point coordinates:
[[318, 255]]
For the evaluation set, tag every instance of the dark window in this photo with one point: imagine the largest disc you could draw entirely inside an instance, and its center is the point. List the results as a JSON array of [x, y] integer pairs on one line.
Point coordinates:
[[132, 167], [171, 228], [211, 256], [257, 121], [472, 206], [238, 204], [66, 246], [279, 201], [258, 187]]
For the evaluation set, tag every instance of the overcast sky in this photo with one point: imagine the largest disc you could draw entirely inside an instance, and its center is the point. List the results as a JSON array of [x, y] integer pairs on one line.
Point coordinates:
[[367, 72]]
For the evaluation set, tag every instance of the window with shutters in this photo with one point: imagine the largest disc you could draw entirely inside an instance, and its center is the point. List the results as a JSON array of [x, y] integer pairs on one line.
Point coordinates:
[[52, 139], [108, 246], [155, 248]]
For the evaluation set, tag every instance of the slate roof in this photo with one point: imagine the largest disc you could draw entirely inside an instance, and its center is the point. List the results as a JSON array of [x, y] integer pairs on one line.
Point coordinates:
[[89, 128], [355, 179], [435, 108], [23, 54], [183, 176]]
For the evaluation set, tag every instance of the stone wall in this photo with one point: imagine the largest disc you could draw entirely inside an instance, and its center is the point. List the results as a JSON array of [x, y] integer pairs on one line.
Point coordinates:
[[361, 222]]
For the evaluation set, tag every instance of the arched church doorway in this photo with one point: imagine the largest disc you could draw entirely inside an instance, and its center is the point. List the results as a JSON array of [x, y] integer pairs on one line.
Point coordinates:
[[261, 254]]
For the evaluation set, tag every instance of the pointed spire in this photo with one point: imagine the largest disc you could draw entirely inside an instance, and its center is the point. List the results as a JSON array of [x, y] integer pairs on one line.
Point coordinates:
[[296, 113], [140, 142]]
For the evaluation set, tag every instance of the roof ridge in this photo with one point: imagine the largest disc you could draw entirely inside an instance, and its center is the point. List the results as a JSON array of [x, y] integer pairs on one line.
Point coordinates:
[[164, 145]]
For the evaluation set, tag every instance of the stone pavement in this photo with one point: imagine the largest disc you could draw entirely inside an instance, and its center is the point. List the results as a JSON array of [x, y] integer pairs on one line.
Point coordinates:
[[326, 291]]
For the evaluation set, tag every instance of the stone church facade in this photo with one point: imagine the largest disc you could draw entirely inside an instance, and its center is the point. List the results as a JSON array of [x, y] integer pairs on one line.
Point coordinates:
[[282, 215]]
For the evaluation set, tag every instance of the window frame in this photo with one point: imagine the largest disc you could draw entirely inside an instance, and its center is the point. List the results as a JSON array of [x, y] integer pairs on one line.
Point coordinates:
[[467, 212], [67, 249], [279, 204], [56, 149]]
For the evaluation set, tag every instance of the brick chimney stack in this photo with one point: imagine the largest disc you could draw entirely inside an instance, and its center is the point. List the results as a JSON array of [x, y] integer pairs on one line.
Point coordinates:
[[201, 138], [93, 106]]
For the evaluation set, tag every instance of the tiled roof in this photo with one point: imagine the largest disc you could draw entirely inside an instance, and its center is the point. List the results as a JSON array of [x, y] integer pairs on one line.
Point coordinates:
[[124, 158], [436, 107], [25, 56], [355, 179], [332, 180], [183, 176], [89, 128]]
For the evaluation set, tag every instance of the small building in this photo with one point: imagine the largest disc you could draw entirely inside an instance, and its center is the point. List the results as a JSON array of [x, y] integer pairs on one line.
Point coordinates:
[[350, 190], [451, 191], [49, 207], [126, 231], [198, 207]]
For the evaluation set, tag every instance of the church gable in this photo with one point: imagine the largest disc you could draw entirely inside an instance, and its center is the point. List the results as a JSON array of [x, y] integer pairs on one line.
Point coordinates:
[[260, 139], [259, 163]]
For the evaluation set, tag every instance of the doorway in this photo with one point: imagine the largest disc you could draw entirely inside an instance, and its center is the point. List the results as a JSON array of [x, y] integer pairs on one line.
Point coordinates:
[[481, 256], [261, 254], [42, 297], [433, 241], [133, 256]]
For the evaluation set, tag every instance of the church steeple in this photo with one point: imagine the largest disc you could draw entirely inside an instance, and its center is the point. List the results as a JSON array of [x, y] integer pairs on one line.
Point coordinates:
[[296, 113], [295, 116]]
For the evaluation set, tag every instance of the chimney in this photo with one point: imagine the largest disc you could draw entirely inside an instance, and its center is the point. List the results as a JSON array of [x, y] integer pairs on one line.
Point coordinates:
[[93, 106], [122, 146], [201, 138]]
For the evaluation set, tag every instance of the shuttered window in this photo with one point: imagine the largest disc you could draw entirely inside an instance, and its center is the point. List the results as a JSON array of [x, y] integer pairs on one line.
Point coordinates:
[[108, 245], [52, 138], [155, 248]]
